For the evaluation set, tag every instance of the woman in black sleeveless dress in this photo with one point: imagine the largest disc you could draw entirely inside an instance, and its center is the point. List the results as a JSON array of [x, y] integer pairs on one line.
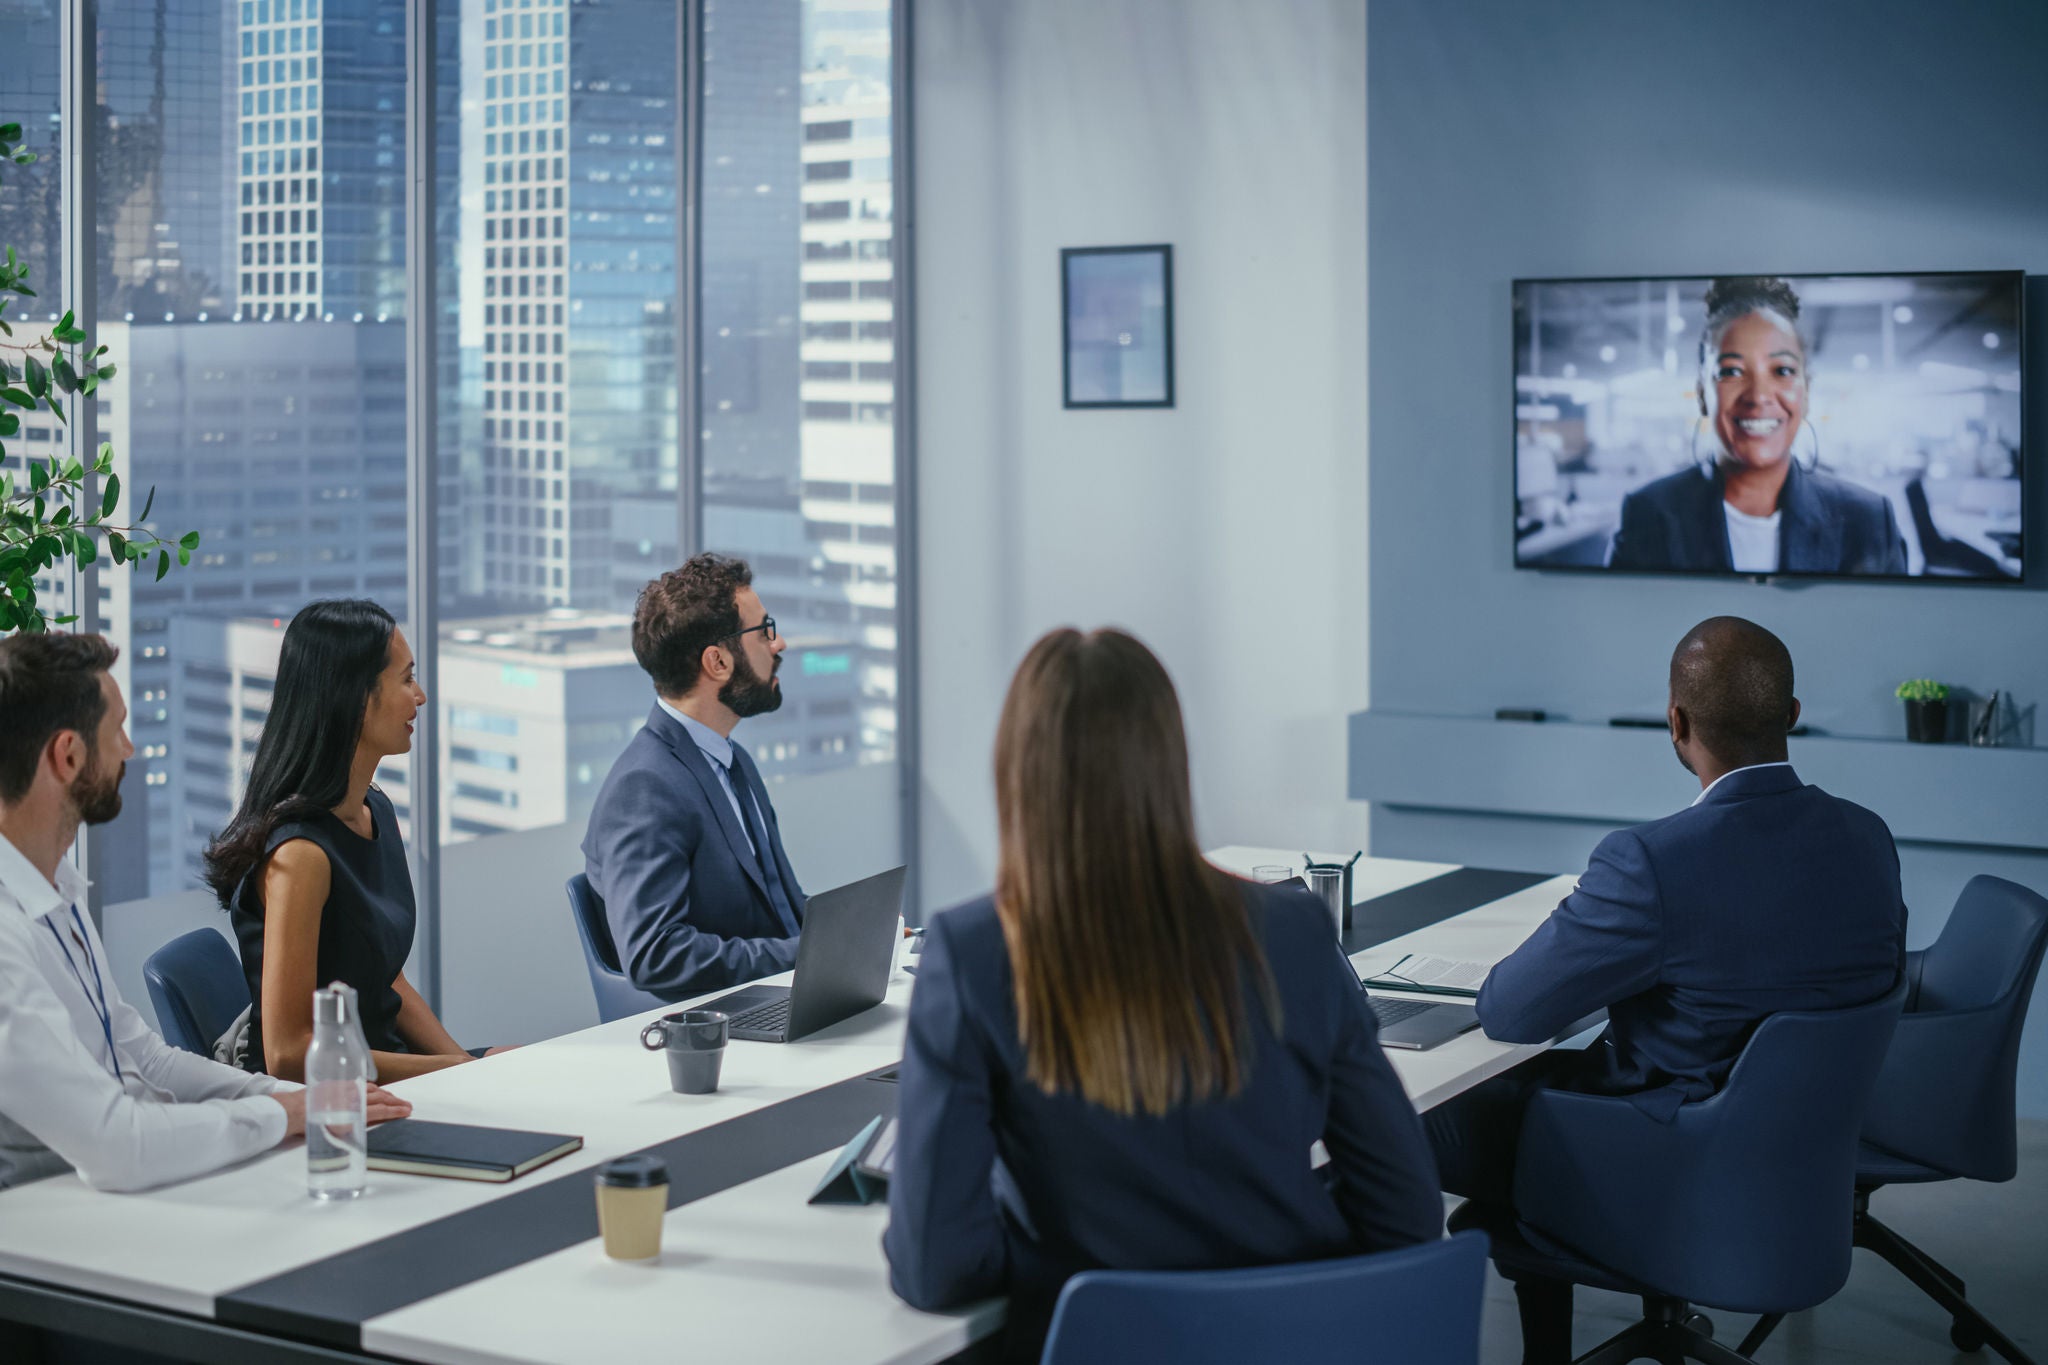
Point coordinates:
[[312, 870]]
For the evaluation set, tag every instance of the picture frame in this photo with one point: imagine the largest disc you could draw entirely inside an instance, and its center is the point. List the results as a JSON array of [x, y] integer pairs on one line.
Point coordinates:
[[1116, 326]]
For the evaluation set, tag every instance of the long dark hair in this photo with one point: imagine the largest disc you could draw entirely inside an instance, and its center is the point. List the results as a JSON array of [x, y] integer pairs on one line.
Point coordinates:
[[1131, 954], [334, 653]]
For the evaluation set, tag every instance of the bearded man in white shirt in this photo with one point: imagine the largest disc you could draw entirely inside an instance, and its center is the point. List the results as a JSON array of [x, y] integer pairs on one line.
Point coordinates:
[[85, 1084]]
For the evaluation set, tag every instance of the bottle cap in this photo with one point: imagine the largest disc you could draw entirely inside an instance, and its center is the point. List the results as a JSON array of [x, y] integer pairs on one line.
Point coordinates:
[[335, 1005], [633, 1172]]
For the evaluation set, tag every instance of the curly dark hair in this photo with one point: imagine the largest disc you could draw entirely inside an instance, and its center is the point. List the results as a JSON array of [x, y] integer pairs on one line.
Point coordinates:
[[1732, 296], [48, 683], [684, 612]]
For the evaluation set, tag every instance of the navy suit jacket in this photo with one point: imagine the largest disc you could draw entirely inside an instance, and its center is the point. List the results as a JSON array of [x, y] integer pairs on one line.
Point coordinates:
[[1768, 895], [1002, 1187], [1826, 526], [683, 895]]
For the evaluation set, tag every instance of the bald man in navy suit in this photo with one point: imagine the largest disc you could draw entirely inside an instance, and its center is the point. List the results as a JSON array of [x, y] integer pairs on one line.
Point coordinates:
[[1765, 894]]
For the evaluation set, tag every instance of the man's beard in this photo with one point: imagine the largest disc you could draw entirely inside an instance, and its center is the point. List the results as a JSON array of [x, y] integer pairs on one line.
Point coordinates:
[[97, 795], [747, 693]]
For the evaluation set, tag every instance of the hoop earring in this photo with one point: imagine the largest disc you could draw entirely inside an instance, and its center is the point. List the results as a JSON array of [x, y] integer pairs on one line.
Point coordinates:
[[1813, 439], [1705, 467]]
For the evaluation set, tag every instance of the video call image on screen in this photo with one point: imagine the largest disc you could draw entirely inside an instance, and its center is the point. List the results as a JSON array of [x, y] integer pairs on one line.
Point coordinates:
[[1820, 425]]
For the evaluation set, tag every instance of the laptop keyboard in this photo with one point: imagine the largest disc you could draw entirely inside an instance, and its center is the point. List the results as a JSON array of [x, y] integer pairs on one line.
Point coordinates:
[[771, 1017], [1394, 1011]]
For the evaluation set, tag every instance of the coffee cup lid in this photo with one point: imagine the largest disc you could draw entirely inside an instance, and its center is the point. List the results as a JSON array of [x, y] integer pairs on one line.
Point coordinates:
[[633, 1172]]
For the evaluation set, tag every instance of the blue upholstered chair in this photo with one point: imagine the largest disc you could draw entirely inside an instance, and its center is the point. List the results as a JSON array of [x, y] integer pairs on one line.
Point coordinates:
[[1743, 1201], [1943, 1107], [1418, 1306], [196, 983], [617, 996]]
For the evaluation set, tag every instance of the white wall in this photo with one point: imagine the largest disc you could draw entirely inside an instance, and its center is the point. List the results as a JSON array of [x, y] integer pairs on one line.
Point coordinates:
[[1228, 533]]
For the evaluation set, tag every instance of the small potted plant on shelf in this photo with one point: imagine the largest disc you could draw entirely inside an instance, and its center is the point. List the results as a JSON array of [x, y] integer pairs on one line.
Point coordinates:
[[1926, 710]]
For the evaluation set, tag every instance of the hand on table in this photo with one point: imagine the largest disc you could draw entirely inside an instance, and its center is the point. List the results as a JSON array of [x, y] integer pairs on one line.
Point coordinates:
[[380, 1105]]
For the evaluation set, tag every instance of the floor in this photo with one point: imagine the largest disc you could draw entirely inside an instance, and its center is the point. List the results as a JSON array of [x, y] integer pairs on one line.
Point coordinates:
[[1994, 1236]]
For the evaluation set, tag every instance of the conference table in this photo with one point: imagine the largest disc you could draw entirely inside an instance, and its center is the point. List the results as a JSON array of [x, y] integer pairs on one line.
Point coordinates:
[[242, 1265]]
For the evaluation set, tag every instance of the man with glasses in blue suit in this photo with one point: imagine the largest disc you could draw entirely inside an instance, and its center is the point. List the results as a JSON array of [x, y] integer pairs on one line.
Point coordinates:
[[683, 845]]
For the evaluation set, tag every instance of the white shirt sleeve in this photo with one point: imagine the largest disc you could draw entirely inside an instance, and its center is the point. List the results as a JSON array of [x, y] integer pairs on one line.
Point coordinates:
[[174, 1072], [54, 1087]]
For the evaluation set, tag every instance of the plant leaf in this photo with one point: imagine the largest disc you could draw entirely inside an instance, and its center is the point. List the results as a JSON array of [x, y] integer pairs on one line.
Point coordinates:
[[38, 378], [112, 497], [148, 502], [117, 546], [163, 564], [21, 398], [189, 541]]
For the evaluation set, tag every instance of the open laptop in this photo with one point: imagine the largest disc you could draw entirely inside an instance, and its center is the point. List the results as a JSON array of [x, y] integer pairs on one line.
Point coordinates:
[[1419, 1025], [842, 964]]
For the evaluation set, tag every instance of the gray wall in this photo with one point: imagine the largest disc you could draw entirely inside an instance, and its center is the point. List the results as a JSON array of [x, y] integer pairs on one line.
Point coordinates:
[[1228, 533], [1607, 137]]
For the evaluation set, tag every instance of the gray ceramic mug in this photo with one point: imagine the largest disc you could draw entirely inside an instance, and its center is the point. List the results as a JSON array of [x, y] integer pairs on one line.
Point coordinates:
[[695, 1043]]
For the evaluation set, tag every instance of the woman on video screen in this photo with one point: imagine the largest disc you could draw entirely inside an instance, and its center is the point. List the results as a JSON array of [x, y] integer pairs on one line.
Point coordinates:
[[1756, 509]]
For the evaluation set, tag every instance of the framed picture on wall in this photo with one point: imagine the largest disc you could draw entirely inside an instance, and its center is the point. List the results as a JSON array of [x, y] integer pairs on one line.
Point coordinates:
[[1116, 326]]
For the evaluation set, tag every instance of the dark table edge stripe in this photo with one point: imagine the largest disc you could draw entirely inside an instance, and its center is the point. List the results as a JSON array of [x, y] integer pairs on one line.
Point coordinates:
[[329, 1300], [1432, 901]]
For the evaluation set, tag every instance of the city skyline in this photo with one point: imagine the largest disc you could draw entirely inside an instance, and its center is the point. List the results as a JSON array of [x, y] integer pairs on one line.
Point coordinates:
[[250, 170]]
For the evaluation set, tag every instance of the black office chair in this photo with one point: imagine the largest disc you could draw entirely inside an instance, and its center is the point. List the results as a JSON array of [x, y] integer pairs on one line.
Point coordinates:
[[1943, 554], [617, 996], [1943, 1107]]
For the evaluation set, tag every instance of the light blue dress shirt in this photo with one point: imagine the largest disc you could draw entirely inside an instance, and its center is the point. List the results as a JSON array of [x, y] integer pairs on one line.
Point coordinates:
[[718, 749]]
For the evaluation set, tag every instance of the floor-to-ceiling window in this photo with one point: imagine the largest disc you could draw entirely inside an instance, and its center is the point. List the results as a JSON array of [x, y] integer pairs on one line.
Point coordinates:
[[248, 192]]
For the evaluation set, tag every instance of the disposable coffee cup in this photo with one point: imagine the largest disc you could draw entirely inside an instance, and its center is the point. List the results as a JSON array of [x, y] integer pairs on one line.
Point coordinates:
[[632, 1197], [695, 1043]]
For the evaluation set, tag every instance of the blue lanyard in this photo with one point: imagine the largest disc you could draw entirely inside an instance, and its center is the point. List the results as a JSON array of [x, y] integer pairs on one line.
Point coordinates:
[[98, 1004]]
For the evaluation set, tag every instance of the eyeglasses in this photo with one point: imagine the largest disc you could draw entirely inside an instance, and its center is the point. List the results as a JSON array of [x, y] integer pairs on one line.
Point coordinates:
[[767, 629]]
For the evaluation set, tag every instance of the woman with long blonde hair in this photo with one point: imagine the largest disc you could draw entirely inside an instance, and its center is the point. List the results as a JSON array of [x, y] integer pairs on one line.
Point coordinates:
[[1122, 1058]]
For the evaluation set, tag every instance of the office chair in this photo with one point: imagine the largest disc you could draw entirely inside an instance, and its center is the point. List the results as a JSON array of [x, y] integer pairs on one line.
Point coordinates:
[[1742, 1201], [1943, 553], [1943, 1107], [1418, 1305], [617, 996], [196, 983]]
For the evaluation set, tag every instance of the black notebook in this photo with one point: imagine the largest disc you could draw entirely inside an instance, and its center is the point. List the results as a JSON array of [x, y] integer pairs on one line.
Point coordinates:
[[463, 1152]]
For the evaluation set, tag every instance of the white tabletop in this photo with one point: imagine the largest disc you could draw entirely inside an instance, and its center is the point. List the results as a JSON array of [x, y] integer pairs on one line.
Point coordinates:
[[751, 1269], [253, 1221]]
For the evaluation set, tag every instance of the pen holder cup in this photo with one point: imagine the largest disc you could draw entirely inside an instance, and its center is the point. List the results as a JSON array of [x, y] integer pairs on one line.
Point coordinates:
[[1341, 911]]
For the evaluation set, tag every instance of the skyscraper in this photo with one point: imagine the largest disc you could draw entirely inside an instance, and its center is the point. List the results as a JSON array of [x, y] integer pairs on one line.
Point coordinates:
[[321, 81], [573, 262]]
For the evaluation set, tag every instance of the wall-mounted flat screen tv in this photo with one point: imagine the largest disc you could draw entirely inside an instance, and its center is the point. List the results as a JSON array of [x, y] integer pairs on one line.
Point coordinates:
[[1839, 426]]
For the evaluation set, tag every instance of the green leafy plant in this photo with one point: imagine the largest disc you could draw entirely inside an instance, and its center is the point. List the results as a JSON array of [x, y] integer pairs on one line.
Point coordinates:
[[46, 517], [1923, 689]]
